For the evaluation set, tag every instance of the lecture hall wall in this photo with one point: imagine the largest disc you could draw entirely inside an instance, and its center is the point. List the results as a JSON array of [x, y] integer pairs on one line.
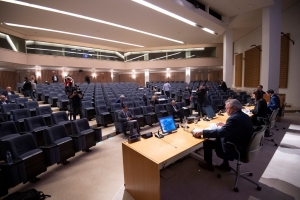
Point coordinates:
[[288, 25]]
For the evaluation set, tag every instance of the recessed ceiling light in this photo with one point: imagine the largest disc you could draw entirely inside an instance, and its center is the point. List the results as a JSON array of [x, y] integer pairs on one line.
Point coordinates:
[[88, 18], [69, 33], [173, 15]]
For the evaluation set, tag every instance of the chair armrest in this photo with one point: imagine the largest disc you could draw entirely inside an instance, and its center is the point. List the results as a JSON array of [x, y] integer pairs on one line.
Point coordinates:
[[50, 146], [14, 162]]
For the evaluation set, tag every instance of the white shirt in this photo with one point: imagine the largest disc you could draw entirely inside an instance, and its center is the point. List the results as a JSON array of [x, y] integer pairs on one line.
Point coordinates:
[[166, 87]]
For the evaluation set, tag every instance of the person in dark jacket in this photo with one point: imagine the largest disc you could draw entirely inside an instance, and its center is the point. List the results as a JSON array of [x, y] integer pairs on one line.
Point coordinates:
[[27, 88], [223, 86], [127, 118], [260, 110], [201, 93], [274, 101], [55, 79], [8, 91], [237, 129]]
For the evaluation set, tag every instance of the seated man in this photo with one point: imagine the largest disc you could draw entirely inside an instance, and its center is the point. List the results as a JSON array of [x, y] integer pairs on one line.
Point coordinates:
[[176, 110], [126, 117], [274, 101], [120, 100], [8, 91], [238, 130], [3, 100]]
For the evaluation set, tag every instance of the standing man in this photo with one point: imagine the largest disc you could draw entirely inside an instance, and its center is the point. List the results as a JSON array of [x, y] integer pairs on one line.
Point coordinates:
[[8, 91], [125, 116], [176, 110], [75, 96], [223, 86], [260, 88], [27, 87], [237, 130], [166, 88], [201, 92], [55, 79], [274, 101]]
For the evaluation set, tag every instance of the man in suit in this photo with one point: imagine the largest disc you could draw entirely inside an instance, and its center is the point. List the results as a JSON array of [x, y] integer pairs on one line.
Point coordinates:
[[223, 86], [176, 110], [120, 100], [3, 100], [55, 79], [8, 91], [237, 129], [274, 101], [125, 116]]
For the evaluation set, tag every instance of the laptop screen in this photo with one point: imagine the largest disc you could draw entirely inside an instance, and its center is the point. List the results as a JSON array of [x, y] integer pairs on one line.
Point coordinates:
[[210, 113], [167, 124]]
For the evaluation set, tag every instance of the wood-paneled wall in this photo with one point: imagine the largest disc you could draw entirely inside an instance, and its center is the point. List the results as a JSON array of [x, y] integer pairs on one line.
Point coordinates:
[[238, 70], [284, 61], [175, 76], [140, 78], [252, 67], [7, 78]]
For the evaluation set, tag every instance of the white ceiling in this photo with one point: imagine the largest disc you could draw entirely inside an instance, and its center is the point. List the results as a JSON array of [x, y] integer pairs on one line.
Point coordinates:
[[238, 14]]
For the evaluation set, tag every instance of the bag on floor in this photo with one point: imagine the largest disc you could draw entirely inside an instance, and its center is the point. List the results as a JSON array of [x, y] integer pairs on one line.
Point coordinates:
[[31, 194]]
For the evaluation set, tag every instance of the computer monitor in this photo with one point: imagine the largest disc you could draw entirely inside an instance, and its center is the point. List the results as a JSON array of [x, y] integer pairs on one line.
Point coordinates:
[[167, 124], [210, 113]]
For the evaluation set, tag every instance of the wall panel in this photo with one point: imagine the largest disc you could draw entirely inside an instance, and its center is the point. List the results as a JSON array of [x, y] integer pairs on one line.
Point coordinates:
[[7, 78], [284, 61], [252, 67], [238, 70]]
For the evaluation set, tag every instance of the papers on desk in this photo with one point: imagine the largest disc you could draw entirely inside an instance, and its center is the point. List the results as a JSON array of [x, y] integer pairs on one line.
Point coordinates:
[[212, 126], [157, 92], [184, 108], [246, 111], [194, 91], [196, 130], [161, 99]]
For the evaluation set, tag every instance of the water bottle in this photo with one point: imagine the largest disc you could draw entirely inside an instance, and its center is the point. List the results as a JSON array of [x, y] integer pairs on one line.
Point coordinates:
[[9, 158], [185, 123]]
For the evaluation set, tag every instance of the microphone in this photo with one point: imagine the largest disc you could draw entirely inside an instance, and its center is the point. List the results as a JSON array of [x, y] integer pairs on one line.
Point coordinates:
[[220, 113]]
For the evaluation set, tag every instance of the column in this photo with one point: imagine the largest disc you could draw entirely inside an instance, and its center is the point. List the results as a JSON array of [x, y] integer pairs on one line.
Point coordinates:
[[227, 58], [187, 75], [270, 63], [146, 76]]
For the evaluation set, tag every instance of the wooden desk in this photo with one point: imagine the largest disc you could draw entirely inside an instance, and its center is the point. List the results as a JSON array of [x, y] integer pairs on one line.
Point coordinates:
[[143, 160]]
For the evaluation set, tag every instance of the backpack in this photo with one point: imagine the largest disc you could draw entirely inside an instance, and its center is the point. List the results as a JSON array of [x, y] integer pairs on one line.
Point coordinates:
[[31, 194]]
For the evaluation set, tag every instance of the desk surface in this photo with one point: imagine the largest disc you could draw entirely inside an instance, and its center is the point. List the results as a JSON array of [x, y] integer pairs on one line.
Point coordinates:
[[160, 150]]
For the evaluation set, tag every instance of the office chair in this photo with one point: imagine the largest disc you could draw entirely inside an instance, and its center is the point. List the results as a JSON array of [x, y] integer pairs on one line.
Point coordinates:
[[252, 151], [270, 123]]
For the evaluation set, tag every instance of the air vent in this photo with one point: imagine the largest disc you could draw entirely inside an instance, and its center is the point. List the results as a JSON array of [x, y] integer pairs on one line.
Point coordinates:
[[215, 14], [197, 4]]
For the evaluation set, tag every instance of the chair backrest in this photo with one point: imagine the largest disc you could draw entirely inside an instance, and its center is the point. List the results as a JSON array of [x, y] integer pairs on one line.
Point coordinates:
[[20, 145], [55, 133], [272, 118], [100, 109], [254, 145], [12, 97], [100, 102], [116, 106], [21, 100], [62, 97], [80, 125], [159, 107], [59, 117], [86, 104], [31, 104], [130, 104], [43, 110], [20, 114], [147, 109], [53, 94], [139, 103], [135, 111], [7, 128], [32, 123], [5, 108]]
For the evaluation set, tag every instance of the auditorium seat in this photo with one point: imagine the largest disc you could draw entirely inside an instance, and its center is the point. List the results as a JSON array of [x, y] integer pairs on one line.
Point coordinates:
[[45, 111], [21, 101], [53, 98], [18, 116], [88, 110], [5, 110], [30, 160], [138, 115], [62, 102], [57, 138], [31, 105], [103, 117], [36, 125], [12, 98], [160, 110], [61, 118], [7, 130]]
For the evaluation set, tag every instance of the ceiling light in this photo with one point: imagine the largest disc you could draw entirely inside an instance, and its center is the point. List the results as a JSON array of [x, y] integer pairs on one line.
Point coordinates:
[[69, 33], [88, 18], [208, 30], [165, 56], [136, 57], [154, 7]]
